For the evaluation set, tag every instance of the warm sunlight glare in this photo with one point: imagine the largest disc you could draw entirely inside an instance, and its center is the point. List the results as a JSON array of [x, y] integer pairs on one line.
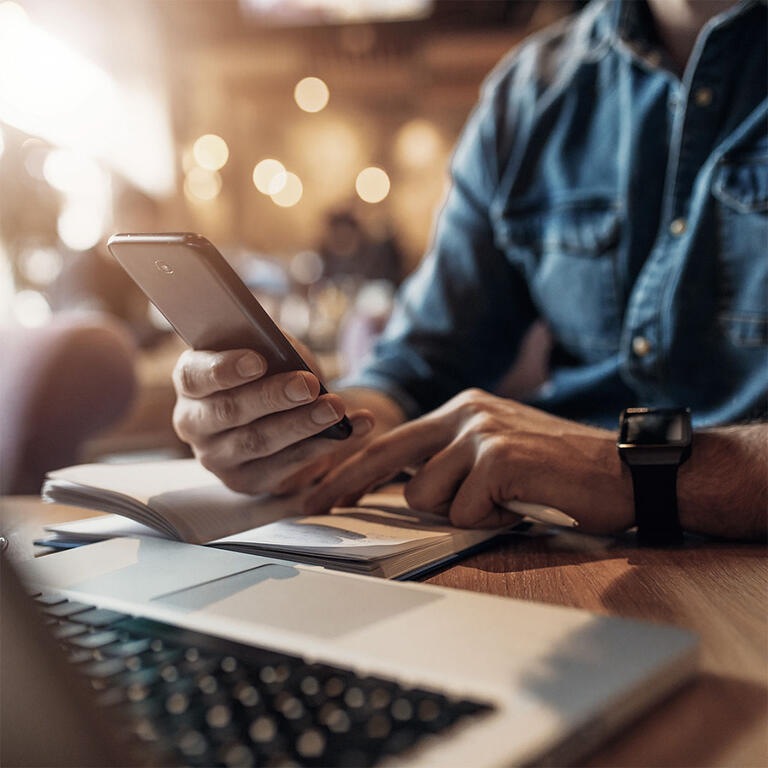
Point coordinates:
[[51, 91]]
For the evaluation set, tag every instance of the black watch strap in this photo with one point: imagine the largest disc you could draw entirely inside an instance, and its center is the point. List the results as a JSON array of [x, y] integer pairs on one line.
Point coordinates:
[[655, 492]]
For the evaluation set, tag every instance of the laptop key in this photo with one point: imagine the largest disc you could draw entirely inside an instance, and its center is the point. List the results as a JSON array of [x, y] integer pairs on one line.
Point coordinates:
[[235, 753], [99, 617], [126, 648], [111, 697], [67, 629], [66, 609], [79, 656], [103, 668], [93, 639], [47, 598], [139, 678]]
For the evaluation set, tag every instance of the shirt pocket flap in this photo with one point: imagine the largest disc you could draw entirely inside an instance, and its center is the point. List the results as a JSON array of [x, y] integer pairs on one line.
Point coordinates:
[[585, 230], [743, 184]]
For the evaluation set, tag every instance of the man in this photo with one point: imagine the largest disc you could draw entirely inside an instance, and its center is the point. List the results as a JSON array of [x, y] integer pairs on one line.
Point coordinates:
[[612, 181]]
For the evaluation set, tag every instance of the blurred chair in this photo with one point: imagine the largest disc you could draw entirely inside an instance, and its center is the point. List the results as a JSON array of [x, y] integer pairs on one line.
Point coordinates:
[[59, 385]]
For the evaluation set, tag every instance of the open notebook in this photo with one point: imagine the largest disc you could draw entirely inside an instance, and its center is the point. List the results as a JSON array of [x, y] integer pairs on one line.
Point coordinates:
[[178, 499]]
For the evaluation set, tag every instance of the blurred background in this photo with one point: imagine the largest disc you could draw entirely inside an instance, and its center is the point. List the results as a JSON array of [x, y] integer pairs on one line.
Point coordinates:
[[308, 139]]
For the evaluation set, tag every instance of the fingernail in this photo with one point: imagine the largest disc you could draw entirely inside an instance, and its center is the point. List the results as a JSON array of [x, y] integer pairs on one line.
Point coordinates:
[[361, 426], [297, 390], [250, 366], [324, 413]]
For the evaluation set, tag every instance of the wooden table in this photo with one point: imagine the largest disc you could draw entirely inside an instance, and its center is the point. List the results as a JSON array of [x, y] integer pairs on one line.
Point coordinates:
[[718, 590]]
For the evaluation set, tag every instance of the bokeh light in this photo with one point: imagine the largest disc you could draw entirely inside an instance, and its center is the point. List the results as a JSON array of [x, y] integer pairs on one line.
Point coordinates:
[[295, 315], [306, 267], [41, 266], [418, 144], [311, 94], [269, 176], [80, 224], [74, 173], [291, 192], [210, 152], [201, 184], [372, 184], [31, 309]]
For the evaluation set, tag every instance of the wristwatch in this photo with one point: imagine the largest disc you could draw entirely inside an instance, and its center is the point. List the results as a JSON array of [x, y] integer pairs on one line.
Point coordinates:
[[653, 443]]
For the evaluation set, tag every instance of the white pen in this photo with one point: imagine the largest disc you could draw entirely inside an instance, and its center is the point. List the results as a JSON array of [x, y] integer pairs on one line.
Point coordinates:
[[541, 513]]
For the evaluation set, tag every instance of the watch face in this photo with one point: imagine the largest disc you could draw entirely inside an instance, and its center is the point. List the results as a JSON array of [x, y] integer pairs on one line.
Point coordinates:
[[656, 427]]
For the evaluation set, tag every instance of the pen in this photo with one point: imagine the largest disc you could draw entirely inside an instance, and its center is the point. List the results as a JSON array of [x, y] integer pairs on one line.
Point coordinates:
[[540, 513]]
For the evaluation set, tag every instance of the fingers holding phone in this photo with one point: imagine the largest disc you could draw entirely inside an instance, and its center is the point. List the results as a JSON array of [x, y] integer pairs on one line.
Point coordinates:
[[258, 400], [222, 391], [253, 429]]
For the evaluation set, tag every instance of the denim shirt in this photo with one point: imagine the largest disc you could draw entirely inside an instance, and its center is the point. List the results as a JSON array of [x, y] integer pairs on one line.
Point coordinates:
[[628, 209]]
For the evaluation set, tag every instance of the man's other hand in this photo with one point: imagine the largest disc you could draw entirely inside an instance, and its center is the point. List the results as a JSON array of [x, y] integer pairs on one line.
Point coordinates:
[[478, 451]]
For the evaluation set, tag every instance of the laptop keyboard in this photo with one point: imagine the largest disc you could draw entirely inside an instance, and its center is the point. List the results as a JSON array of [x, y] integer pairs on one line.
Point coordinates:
[[196, 699]]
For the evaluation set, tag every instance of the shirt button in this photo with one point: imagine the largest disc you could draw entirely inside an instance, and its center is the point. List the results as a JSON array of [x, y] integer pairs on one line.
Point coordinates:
[[702, 96], [678, 226], [641, 346]]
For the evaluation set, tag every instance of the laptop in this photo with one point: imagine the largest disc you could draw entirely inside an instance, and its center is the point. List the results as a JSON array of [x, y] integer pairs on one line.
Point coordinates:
[[194, 656]]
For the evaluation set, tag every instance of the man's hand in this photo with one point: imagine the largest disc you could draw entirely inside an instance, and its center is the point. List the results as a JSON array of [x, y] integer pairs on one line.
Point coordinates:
[[477, 451], [254, 430]]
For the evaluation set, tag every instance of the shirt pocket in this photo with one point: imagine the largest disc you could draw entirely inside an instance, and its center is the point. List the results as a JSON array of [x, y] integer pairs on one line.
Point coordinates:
[[740, 189], [568, 253]]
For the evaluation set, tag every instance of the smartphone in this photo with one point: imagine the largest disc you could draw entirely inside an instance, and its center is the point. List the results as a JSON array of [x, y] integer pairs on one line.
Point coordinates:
[[206, 302]]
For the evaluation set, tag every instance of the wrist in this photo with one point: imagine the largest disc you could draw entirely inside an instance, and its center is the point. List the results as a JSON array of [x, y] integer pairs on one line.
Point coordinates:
[[602, 497], [723, 489]]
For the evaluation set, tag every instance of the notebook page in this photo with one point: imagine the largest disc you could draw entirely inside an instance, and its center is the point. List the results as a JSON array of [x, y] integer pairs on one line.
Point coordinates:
[[364, 533], [197, 506]]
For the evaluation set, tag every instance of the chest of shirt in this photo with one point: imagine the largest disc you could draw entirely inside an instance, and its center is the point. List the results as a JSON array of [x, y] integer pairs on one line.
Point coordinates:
[[631, 182]]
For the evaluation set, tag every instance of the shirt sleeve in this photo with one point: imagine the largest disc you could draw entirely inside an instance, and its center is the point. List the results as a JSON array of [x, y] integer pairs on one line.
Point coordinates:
[[459, 318]]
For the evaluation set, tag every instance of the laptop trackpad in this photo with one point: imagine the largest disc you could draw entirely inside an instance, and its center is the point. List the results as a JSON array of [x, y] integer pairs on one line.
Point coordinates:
[[311, 602]]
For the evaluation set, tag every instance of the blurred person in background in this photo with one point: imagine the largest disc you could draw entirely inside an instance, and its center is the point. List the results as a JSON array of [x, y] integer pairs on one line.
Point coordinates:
[[611, 185], [348, 249], [367, 266]]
